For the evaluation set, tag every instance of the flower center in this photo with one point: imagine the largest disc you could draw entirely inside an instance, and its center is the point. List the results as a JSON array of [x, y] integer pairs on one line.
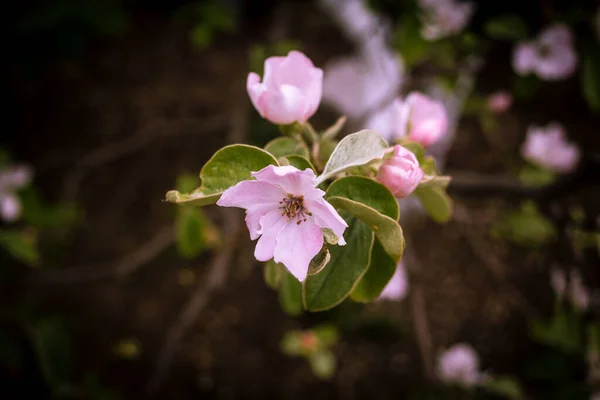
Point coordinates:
[[294, 207]]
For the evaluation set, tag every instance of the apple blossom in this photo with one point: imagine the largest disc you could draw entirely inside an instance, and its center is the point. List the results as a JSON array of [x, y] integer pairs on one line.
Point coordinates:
[[551, 56], [397, 287], [459, 365], [285, 212], [578, 293], [401, 173], [11, 179], [548, 148], [290, 90], [500, 101], [442, 18]]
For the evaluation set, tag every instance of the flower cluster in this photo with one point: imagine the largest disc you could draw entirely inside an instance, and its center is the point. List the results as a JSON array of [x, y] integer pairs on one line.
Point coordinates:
[[442, 18], [549, 148], [459, 365], [551, 56], [12, 179]]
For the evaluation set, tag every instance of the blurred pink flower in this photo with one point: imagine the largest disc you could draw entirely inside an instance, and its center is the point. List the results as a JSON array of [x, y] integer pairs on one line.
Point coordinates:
[[290, 90], [422, 119], [357, 86], [551, 56], [285, 212], [459, 365], [499, 101], [442, 18], [578, 294], [397, 287], [386, 121], [558, 282], [548, 148], [12, 179], [401, 173]]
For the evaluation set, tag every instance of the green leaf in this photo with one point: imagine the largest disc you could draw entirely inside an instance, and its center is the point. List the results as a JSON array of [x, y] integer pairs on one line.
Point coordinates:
[[272, 273], [507, 27], [326, 334], [323, 364], [291, 343], [285, 146], [355, 149], [319, 262], [329, 236], [334, 129], [436, 202], [299, 162], [526, 227], [187, 183], [562, 331], [366, 191], [228, 166], [54, 351], [381, 269], [503, 385], [533, 175], [190, 226], [416, 148], [387, 230], [22, 245], [441, 182], [290, 293], [347, 265], [590, 76]]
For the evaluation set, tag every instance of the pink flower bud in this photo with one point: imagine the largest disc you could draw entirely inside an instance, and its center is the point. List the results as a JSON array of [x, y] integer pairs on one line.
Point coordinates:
[[290, 90], [401, 173], [499, 101], [422, 119], [549, 148], [459, 365]]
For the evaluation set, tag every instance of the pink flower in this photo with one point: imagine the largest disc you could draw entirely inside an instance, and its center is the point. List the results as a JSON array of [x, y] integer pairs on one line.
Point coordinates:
[[442, 18], [290, 91], [386, 121], [551, 56], [400, 173], [11, 179], [285, 212], [548, 148], [558, 282], [578, 293], [397, 286], [422, 119], [459, 365], [500, 101]]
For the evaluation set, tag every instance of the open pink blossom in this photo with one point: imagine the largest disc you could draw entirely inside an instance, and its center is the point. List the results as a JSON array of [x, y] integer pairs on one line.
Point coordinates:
[[443, 18], [500, 101], [422, 119], [551, 56], [548, 148], [12, 179], [401, 173], [397, 287], [290, 90], [285, 212], [459, 365]]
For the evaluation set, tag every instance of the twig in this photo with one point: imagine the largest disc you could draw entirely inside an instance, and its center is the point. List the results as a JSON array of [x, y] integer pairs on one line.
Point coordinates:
[[117, 150], [419, 311], [118, 268], [232, 227]]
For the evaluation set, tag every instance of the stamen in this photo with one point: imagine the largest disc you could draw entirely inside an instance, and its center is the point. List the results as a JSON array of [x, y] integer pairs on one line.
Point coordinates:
[[293, 207]]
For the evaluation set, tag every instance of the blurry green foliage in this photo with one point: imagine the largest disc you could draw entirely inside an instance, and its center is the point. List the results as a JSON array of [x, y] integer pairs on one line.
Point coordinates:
[[314, 345], [21, 244], [590, 75], [506, 27], [533, 175], [209, 19], [525, 227], [503, 385]]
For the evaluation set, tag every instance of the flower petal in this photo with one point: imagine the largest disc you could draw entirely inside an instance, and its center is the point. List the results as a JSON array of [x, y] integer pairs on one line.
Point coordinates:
[[10, 207], [252, 194], [291, 179], [283, 106], [255, 90], [296, 245], [271, 224], [325, 216]]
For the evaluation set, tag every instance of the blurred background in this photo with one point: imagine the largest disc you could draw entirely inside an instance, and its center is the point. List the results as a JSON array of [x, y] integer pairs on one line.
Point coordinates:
[[109, 292]]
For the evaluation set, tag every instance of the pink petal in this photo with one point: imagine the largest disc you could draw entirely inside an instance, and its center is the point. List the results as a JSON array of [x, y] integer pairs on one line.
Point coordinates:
[[325, 216], [271, 65], [271, 224], [255, 90], [296, 245], [397, 287], [253, 217], [283, 106], [291, 179], [10, 208], [252, 194], [525, 58]]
